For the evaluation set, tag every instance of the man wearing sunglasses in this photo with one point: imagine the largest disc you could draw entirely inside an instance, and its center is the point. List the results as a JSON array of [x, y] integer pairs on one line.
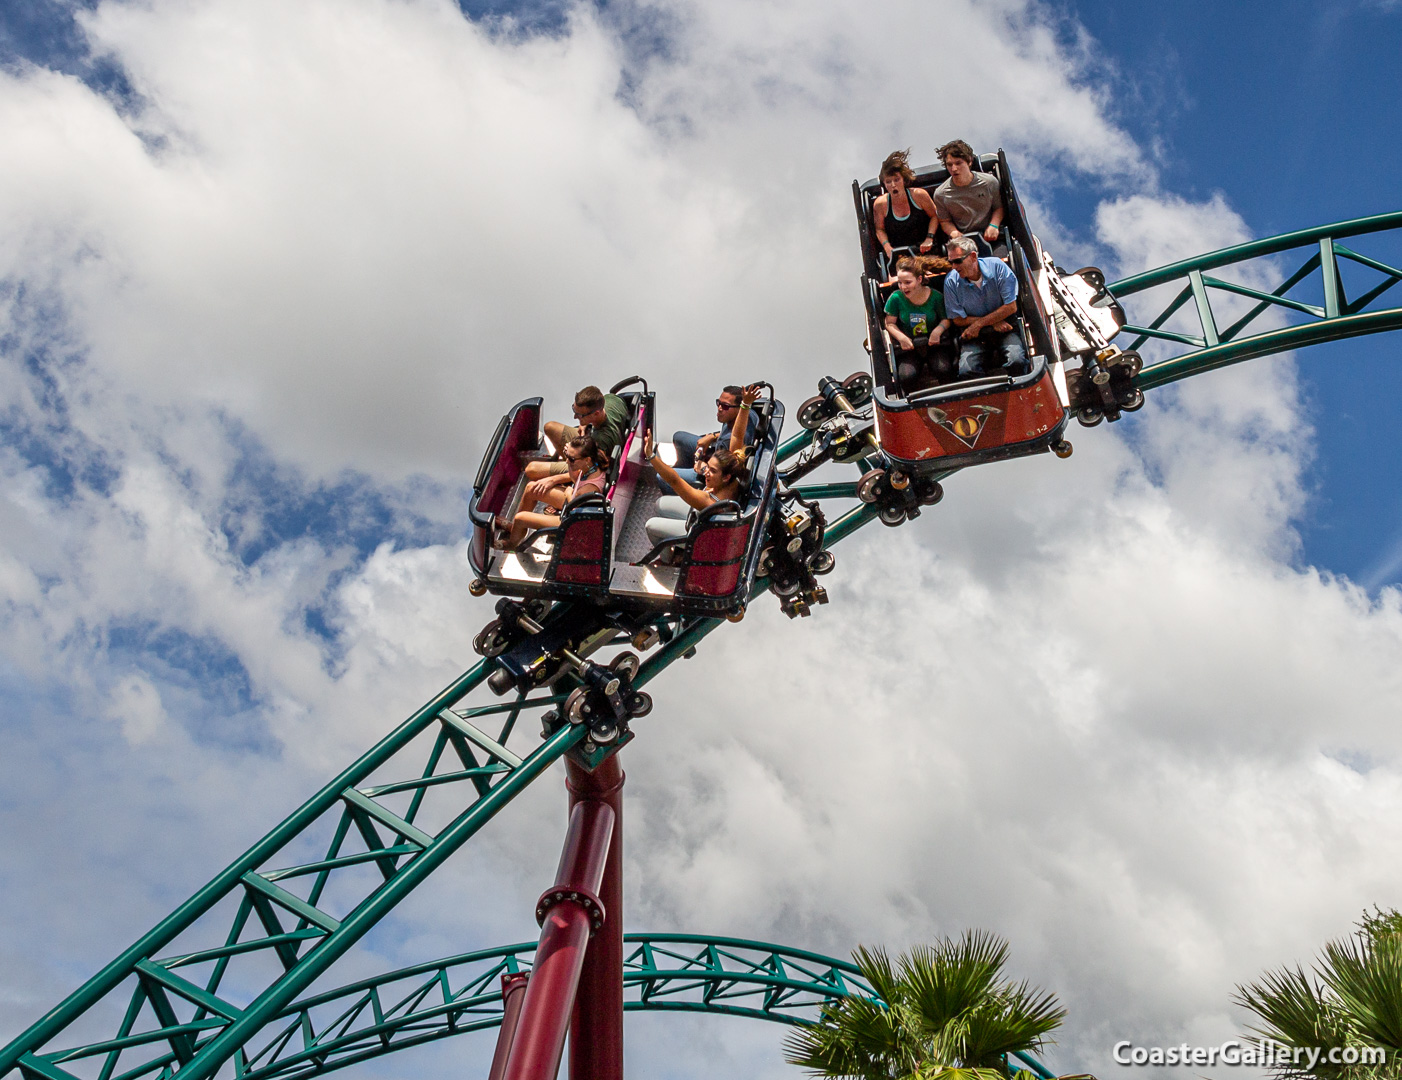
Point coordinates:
[[693, 449], [605, 416], [980, 298]]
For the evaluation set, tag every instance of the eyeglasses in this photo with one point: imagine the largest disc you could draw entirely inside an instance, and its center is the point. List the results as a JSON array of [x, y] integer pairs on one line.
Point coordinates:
[[965, 257], [721, 403], [581, 415], [571, 462]]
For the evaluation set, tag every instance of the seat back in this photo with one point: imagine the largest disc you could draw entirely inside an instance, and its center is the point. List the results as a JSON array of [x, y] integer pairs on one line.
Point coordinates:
[[716, 549], [579, 563], [631, 467], [723, 545], [517, 434]]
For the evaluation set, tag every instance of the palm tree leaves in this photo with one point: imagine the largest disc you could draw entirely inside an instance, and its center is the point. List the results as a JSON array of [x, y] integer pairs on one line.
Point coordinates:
[[1354, 1001], [946, 1013]]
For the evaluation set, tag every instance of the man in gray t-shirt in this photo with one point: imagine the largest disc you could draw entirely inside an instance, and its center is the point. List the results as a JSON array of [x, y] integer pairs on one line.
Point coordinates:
[[968, 203]]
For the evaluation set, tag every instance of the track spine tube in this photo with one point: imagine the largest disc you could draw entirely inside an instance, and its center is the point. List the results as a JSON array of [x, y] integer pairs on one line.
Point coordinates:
[[596, 1026], [564, 936]]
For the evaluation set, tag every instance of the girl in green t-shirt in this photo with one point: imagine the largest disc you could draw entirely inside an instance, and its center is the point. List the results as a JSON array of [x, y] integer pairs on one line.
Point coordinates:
[[916, 321]]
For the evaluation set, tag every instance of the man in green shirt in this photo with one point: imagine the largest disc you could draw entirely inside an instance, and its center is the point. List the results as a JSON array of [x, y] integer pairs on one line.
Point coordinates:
[[605, 416]]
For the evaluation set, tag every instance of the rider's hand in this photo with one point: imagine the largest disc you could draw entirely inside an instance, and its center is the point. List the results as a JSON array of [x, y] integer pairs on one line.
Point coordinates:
[[927, 244], [750, 394], [970, 332], [1004, 327], [991, 233]]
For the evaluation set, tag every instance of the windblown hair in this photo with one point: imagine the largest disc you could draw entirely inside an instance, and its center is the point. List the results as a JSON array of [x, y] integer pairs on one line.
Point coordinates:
[[923, 265], [956, 148], [965, 244], [732, 466], [897, 163]]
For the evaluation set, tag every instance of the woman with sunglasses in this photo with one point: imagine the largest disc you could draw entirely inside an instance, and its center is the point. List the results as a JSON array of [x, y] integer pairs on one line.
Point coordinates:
[[588, 471], [726, 476]]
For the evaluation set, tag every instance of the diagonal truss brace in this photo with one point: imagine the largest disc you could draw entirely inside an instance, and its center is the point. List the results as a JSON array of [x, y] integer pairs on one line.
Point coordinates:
[[1338, 317]]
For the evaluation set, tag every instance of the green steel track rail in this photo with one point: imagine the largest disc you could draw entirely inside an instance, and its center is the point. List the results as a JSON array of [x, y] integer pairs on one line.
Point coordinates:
[[462, 994], [1211, 344], [198, 989]]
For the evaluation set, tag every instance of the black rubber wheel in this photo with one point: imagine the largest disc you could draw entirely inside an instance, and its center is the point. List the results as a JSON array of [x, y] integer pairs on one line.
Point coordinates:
[[640, 704], [1133, 401], [813, 412], [625, 665], [604, 732], [492, 641], [870, 486], [857, 387], [1090, 417], [932, 494], [892, 515], [1131, 363], [823, 562], [575, 705]]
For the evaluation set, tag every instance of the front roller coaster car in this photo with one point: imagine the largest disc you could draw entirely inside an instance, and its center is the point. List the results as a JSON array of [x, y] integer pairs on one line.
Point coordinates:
[[928, 427]]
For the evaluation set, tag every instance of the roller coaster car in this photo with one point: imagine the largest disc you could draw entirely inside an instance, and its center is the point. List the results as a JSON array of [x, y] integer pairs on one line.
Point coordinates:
[[600, 551], [927, 427]]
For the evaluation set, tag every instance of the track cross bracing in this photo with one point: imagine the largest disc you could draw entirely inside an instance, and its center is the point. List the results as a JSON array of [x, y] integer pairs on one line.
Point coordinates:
[[199, 988], [1314, 296], [462, 994], [235, 961]]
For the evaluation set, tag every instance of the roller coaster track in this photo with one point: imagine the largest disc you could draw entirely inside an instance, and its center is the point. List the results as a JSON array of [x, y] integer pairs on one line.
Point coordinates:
[[234, 961], [463, 994], [1214, 346]]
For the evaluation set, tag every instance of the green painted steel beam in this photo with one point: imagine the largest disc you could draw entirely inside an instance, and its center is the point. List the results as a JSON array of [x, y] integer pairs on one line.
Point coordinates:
[[1337, 319], [827, 491], [405, 854], [461, 994], [1268, 343], [1254, 250]]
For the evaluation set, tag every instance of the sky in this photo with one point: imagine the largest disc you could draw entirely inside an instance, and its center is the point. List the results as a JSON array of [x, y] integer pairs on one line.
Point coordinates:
[[269, 273]]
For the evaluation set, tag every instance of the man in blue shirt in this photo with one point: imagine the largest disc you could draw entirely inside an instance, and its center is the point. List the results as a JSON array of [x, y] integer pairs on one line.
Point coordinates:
[[980, 296]]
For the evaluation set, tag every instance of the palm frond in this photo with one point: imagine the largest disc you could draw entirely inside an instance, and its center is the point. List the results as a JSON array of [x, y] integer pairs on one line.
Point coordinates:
[[1366, 977], [948, 978]]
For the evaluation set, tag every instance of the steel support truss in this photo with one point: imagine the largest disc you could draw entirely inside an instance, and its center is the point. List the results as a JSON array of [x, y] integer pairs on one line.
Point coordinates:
[[200, 988], [223, 978], [1321, 252], [463, 994]]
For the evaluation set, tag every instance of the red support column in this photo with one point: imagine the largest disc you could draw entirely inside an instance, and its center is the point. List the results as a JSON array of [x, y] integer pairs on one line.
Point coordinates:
[[513, 989], [568, 912], [596, 1030]]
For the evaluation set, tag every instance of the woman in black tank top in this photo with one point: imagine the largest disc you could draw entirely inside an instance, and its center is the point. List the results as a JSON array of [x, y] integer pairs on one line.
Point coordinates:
[[904, 216]]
